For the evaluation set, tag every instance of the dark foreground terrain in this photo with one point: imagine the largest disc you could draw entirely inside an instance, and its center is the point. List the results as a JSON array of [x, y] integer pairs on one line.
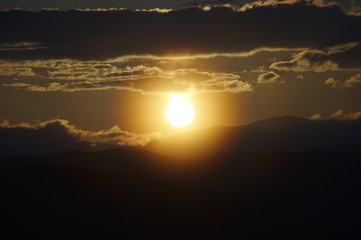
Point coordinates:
[[127, 194]]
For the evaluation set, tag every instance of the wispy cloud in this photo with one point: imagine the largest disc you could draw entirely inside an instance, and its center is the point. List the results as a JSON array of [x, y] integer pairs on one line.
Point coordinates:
[[72, 75], [20, 46], [269, 77], [335, 58], [234, 72]]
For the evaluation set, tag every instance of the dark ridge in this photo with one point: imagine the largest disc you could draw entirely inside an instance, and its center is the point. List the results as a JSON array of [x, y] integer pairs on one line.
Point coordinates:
[[127, 194], [280, 121], [291, 134]]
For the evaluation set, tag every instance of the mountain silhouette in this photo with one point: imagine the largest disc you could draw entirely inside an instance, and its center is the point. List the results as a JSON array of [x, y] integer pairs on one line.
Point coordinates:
[[125, 193], [279, 177], [266, 136]]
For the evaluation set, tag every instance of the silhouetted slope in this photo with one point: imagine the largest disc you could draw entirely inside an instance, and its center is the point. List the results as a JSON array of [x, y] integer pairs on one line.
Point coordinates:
[[127, 194], [266, 136]]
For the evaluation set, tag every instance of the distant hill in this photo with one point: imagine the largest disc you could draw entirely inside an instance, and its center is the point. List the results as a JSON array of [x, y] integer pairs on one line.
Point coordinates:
[[271, 135]]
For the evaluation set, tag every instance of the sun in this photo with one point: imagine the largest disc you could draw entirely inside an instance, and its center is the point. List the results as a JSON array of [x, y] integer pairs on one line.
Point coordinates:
[[179, 112]]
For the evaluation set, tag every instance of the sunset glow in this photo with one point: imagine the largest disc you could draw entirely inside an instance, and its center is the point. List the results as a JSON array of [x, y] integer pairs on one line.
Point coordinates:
[[179, 112]]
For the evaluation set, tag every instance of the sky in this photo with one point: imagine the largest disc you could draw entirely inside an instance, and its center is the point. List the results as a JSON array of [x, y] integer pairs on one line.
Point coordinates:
[[104, 76]]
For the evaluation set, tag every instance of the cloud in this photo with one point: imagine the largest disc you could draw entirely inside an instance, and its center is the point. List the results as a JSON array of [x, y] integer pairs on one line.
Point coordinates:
[[20, 46], [334, 58], [355, 79], [250, 4], [18, 71], [339, 115], [214, 72], [209, 3], [269, 77], [334, 83], [316, 116], [17, 85], [352, 116], [59, 135], [109, 34], [301, 64], [72, 75]]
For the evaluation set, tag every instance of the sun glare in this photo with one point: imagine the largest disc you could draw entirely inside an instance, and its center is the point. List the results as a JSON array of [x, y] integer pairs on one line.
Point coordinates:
[[179, 112]]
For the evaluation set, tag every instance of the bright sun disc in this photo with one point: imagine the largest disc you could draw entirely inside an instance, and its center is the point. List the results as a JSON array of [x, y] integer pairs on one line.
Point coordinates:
[[179, 112]]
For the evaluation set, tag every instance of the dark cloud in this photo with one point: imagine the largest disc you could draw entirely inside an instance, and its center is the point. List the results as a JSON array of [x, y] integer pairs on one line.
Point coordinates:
[[106, 34], [93, 4], [58, 135], [163, 4], [209, 3]]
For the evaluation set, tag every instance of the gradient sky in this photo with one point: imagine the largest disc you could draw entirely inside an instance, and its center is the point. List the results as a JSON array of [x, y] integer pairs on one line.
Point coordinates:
[[107, 74]]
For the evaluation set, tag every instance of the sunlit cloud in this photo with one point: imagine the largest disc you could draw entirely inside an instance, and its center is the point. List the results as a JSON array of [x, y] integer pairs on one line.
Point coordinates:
[[18, 71], [17, 85], [71, 76], [333, 82], [350, 82], [301, 63], [269, 77], [241, 6], [59, 135], [356, 79], [338, 115], [315, 60], [316, 116], [160, 74]]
